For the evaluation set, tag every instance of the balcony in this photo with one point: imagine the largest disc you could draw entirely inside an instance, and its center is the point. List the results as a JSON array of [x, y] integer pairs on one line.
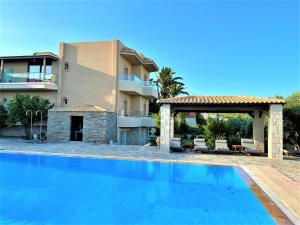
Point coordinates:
[[134, 119], [133, 85], [28, 82]]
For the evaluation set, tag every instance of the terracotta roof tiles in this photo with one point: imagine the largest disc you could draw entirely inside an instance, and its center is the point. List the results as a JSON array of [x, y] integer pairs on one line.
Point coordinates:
[[210, 100], [80, 108]]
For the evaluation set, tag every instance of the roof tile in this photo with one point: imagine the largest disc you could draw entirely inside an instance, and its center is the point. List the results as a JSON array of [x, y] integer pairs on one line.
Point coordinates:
[[80, 108], [220, 100]]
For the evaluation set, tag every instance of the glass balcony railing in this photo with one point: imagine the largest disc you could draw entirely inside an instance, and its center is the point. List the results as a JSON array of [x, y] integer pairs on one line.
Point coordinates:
[[137, 80], [28, 78], [132, 113]]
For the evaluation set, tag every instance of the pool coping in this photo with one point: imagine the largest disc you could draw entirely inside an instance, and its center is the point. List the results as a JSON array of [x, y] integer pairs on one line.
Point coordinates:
[[276, 210]]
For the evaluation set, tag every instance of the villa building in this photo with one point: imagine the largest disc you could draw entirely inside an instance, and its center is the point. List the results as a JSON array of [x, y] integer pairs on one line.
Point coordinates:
[[100, 90]]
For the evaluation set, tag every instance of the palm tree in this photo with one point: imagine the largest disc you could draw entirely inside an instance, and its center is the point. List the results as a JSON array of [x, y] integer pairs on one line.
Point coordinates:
[[168, 84], [177, 88]]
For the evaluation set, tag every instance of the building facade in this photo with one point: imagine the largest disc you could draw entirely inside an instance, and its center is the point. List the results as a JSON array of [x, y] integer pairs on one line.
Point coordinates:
[[82, 79]]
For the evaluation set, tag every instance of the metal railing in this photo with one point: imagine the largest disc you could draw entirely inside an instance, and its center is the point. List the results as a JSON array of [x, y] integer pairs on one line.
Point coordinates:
[[28, 78], [136, 79], [125, 113]]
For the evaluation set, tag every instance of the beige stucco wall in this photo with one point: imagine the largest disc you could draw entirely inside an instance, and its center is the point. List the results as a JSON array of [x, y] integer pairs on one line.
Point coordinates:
[[125, 63], [50, 95], [144, 73], [17, 67], [140, 71], [121, 99], [91, 78], [137, 104]]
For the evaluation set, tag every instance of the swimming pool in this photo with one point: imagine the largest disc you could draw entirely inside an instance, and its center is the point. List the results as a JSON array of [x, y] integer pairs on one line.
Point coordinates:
[[66, 190]]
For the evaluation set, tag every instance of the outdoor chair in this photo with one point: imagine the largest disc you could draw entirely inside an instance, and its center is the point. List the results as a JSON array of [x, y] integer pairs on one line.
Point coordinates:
[[200, 145], [291, 152], [222, 147], [175, 145], [250, 147]]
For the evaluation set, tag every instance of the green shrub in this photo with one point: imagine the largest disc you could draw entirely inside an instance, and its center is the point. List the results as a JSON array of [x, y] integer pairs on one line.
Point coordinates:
[[20, 104], [3, 116]]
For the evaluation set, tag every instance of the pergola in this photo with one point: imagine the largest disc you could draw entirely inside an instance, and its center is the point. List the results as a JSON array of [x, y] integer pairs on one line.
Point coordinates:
[[258, 108]]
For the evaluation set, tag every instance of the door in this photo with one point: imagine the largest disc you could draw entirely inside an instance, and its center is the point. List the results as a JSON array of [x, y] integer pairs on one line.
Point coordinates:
[[123, 137], [76, 128]]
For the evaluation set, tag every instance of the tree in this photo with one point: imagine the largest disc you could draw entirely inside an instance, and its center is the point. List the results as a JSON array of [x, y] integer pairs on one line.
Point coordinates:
[[200, 120], [177, 88], [20, 104], [3, 116], [291, 120], [215, 128], [169, 84]]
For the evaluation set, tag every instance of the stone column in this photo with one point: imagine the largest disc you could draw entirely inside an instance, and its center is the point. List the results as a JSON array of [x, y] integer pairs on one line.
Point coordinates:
[[275, 132], [258, 130], [1, 69], [165, 114], [172, 125]]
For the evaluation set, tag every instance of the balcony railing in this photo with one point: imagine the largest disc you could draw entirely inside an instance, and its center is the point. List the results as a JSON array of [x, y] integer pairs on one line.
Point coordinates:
[[132, 113], [134, 119], [28, 78], [136, 79]]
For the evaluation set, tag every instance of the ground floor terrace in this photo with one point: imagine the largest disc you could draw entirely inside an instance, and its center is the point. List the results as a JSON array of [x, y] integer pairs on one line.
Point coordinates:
[[279, 179], [260, 109]]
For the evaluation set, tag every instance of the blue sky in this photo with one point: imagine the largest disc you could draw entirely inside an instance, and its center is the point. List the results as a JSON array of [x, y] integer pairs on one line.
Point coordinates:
[[218, 47]]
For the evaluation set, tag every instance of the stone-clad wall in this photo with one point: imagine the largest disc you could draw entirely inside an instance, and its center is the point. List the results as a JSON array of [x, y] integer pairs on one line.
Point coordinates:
[[165, 113], [94, 127], [58, 126], [275, 132], [111, 127], [98, 127]]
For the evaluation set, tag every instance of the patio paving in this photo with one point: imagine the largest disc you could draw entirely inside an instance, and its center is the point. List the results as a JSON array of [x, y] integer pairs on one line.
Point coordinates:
[[280, 179]]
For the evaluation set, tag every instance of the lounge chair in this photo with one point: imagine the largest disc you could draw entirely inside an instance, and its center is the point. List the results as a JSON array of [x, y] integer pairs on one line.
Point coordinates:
[[250, 148], [175, 145], [291, 152], [222, 147], [200, 145]]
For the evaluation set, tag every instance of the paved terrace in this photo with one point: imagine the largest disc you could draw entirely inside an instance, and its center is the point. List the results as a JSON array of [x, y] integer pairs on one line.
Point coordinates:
[[280, 179]]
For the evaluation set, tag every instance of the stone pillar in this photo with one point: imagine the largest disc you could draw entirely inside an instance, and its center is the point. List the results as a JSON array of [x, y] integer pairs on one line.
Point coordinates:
[[258, 130], [1, 69], [275, 132], [172, 119], [165, 114]]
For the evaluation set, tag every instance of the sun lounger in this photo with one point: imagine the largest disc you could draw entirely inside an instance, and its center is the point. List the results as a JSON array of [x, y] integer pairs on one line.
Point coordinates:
[[250, 148], [200, 145], [291, 152], [175, 145], [222, 147]]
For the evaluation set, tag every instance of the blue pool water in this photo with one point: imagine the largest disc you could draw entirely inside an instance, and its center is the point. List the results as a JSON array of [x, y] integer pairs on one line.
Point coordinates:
[[40, 190]]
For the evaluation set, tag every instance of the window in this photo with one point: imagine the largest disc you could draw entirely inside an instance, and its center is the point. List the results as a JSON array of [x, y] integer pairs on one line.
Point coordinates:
[[65, 101], [125, 107], [34, 68], [66, 66], [145, 109], [125, 73], [48, 69]]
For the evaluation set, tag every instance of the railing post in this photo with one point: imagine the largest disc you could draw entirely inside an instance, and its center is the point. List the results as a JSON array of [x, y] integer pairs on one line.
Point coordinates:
[[41, 123], [44, 65], [30, 122]]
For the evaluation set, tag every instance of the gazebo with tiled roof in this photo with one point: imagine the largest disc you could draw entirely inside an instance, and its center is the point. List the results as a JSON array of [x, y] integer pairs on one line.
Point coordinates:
[[257, 107]]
